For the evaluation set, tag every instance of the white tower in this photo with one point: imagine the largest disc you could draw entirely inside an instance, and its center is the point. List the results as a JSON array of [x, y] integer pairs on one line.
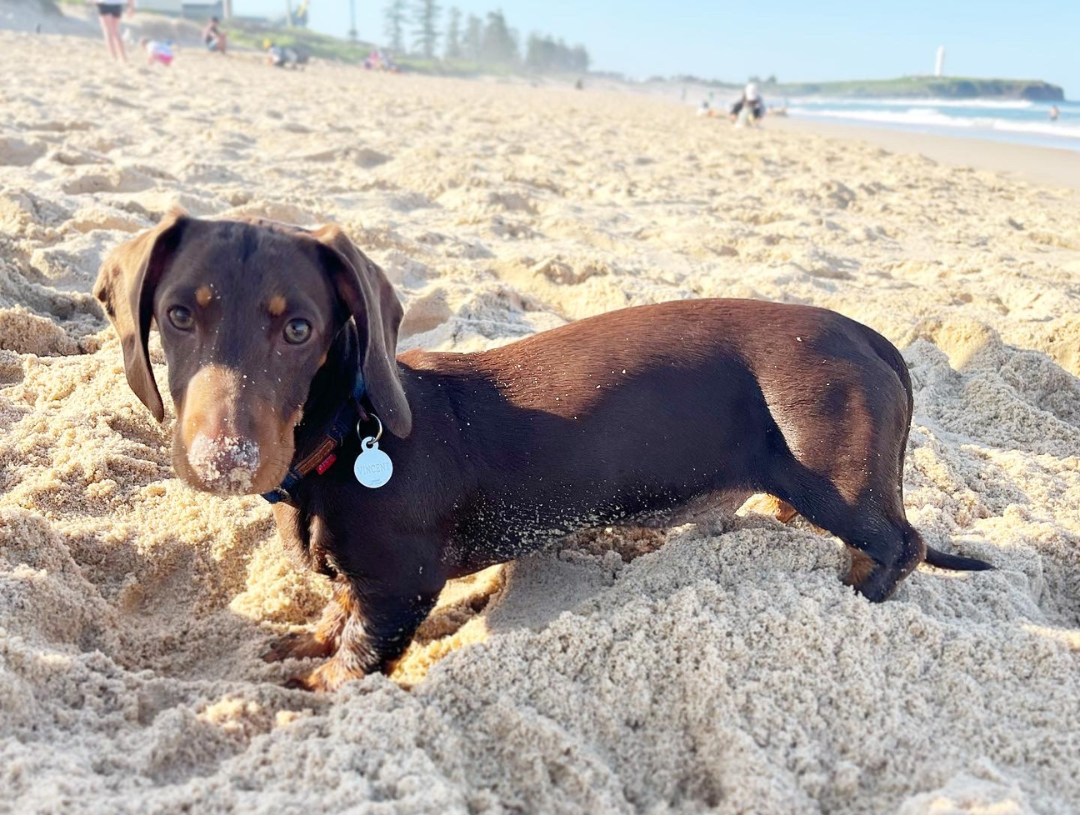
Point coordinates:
[[939, 67]]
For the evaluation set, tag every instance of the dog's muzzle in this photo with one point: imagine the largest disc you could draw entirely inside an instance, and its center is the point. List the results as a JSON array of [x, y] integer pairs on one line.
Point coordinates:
[[224, 463]]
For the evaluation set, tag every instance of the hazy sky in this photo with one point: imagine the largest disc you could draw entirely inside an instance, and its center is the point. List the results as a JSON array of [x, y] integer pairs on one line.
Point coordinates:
[[1035, 39]]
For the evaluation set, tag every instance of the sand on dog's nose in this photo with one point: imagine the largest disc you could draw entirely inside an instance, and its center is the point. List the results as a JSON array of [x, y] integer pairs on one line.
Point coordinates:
[[225, 462]]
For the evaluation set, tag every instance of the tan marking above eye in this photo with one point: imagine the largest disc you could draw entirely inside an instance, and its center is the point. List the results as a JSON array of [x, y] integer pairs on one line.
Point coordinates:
[[276, 305], [203, 295]]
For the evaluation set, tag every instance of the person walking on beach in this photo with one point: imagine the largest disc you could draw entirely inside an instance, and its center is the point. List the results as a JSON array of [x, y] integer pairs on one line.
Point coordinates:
[[109, 13]]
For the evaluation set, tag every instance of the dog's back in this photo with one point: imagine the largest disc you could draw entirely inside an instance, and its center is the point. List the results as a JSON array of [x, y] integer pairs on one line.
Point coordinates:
[[645, 409]]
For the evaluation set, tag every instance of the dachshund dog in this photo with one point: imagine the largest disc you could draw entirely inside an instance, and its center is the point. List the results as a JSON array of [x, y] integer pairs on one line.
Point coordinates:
[[280, 344]]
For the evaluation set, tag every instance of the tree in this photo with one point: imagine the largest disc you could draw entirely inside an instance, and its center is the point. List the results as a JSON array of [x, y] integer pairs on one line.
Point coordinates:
[[453, 34], [395, 24], [543, 53], [579, 59], [474, 38], [499, 45], [427, 35]]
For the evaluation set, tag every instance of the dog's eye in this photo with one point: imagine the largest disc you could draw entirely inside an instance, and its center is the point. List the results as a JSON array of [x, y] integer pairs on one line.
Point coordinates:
[[181, 318], [297, 331]]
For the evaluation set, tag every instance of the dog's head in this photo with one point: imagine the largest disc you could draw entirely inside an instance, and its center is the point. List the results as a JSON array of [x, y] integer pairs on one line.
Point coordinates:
[[247, 312]]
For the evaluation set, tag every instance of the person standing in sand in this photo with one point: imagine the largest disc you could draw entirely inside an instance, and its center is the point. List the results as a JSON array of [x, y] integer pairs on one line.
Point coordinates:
[[749, 109], [109, 13]]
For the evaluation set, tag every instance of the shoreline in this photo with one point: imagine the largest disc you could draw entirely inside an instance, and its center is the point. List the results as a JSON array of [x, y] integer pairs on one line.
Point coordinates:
[[1037, 165]]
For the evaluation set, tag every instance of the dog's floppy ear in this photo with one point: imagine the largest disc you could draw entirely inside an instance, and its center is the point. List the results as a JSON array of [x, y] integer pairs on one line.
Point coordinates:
[[374, 306], [125, 286]]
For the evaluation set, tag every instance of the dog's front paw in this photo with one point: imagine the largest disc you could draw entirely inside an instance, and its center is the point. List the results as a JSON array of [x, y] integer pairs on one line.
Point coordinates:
[[327, 678], [302, 645]]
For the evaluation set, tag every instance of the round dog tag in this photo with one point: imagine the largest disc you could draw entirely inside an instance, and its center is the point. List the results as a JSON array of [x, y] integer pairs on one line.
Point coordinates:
[[373, 467]]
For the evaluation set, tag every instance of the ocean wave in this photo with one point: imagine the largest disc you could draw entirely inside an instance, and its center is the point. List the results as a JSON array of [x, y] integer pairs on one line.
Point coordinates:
[[991, 104], [930, 117]]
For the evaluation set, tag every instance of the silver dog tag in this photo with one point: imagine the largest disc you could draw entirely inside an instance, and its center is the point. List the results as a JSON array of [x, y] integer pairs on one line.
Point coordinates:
[[373, 467]]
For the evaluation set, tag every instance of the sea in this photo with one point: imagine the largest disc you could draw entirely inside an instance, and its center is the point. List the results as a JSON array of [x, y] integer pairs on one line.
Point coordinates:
[[1001, 120]]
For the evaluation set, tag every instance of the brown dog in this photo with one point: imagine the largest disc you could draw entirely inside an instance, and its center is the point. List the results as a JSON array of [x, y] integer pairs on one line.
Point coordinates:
[[280, 347]]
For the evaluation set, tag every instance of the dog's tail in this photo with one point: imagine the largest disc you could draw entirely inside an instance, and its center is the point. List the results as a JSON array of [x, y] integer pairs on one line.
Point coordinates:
[[957, 563]]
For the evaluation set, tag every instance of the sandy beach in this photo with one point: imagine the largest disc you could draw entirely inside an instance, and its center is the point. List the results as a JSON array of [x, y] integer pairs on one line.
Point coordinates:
[[626, 672]]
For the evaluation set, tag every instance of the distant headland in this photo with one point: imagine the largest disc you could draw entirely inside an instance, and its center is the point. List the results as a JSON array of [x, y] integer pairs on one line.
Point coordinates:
[[934, 87], [908, 87]]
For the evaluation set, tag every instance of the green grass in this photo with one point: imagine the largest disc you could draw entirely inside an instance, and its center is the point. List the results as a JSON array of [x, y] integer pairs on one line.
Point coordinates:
[[248, 35]]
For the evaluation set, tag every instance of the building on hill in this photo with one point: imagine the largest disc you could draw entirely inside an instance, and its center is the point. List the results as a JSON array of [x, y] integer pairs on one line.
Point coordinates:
[[185, 8]]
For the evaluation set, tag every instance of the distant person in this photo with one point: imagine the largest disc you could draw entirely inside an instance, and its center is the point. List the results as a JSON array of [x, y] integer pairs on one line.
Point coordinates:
[[109, 13], [704, 109], [1054, 113], [380, 61], [750, 107], [284, 56], [157, 52], [213, 37]]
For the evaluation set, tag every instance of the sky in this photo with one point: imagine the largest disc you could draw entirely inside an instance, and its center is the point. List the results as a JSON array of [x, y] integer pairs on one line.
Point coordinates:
[[716, 39]]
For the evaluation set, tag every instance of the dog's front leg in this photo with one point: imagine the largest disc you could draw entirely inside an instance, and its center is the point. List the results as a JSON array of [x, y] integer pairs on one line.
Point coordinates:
[[323, 640], [378, 627], [387, 583]]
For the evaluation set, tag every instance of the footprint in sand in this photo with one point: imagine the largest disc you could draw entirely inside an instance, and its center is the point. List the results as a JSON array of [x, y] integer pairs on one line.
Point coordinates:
[[11, 367], [425, 313], [16, 152], [360, 156], [93, 217], [59, 126], [24, 332], [114, 179], [74, 262], [560, 271]]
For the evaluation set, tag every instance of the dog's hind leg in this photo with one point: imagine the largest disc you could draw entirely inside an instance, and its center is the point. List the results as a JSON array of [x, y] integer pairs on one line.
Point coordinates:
[[770, 505], [885, 547]]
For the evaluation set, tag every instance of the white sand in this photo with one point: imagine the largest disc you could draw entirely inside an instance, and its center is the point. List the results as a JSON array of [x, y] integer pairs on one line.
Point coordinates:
[[624, 672]]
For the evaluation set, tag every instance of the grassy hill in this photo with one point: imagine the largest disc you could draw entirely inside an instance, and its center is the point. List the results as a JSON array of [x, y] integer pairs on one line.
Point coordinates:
[[949, 87], [909, 87]]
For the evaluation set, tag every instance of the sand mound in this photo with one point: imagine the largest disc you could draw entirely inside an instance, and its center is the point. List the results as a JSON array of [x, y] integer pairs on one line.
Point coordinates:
[[625, 670]]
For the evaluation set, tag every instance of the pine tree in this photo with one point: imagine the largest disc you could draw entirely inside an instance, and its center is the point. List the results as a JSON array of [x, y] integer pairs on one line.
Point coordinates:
[[395, 25], [474, 38], [453, 34], [544, 53], [426, 15], [499, 45], [579, 59]]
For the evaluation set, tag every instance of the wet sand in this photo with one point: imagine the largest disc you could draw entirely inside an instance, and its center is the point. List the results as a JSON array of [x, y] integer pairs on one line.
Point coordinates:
[[1038, 165]]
